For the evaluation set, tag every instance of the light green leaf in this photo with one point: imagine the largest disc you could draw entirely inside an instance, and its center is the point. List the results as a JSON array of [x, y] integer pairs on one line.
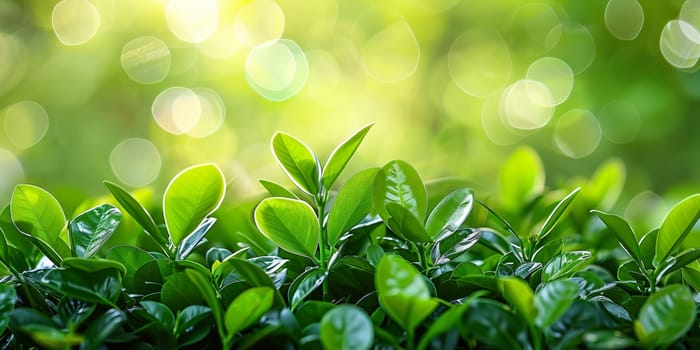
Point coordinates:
[[341, 156], [405, 224], [519, 294], [346, 327], [521, 179], [91, 229], [277, 190], [247, 308], [399, 183], [553, 299], [565, 264], [622, 231], [666, 316], [191, 196], [37, 214], [556, 214], [450, 213], [297, 161], [403, 292], [137, 211], [676, 226], [289, 223], [606, 184], [351, 205]]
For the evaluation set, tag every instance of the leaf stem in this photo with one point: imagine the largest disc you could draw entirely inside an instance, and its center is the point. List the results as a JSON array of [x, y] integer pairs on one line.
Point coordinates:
[[321, 199]]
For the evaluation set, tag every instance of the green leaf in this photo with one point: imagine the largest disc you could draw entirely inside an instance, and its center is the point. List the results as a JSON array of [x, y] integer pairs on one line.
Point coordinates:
[[189, 317], [556, 214], [304, 285], [606, 184], [177, 292], [493, 324], [132, 258], [194, 239], [297, 161], [103, 287], [676, 262], [565, 265], [666, 316], [553, 299], [290, 223], [403, 292], [205, 287], [191, 196], [101, 328], [623, 232], [251, 273], [37, 214], [399, 183], [448, 320], [137, 211], [351, 205], [454, 245], [159, 313], [405, 224], [450, 213], [519, 294], [73, 312], [521, 179], [676, 226], [8, 297], [247, 309], [93, 265], [91, 229], [347, 327], [277, 190], [52, 338], [341, 156]]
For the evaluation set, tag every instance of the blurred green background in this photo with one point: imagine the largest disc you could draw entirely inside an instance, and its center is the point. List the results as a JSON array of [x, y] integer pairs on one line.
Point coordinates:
[[135, 90]]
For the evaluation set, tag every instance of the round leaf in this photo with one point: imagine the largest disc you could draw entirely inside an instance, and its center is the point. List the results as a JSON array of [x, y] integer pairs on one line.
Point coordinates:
[[665, 316], [289, 223], [247, 309], [92, 228], [346, 327], [450, 213], [399, 183]]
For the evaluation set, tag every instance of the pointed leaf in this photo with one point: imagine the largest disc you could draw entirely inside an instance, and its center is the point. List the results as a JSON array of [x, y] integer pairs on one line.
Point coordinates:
[[519, 294], [341, 156], [290, 223], [91, 229], [37, 214], [552, 301], [676, 226], [136, 210], [405, 224], [194, 239], [346, 327], [101, 328], [297, 161], [159, 313], [190, 317], [204, 285], [352, 204], [399, 183], [251, 273], [304, 285], [666, 316], [454, 245], [450, 213], [247, 309], [556, 214], [277, 190], [565, 265], [521, 179], [622, 231]]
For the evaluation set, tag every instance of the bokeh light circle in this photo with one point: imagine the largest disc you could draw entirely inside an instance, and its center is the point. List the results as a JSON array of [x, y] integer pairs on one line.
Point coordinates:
[[680, 44], [257, 22], [573, 43], [392, 54], [556, 75], [492, 123], [75, 22], [177, 110], [277, 70], [624, 18], [25, 123], [480, 62], [146, 60], [12, 62], [213, 113], [527, 105], [620, 121], [136, 162], [690, 13], [577, 133], [11, 173], [192, 21]]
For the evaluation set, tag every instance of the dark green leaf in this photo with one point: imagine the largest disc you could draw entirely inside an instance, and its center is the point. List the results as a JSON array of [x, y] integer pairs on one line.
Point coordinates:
[[565, 265], [519, 294], [374, 253], [93, 265], [52, 338], [92, 228], [556, 215], [347, 327], [553, 299], [132, 258], [351, 205], [405, 224], [676, 226], [607, 339], [454, 245], [290, 223], [204, 285], [449, 214], [548, 251], [103, 287], [177, 292], [665, 316], [74, 312], [399, 183], [492, 324], [247, 309], [298, 161], [622, 231], [159, 313], [137, 211], [194, 239], [251, 273], [341, 156], [8, 297], [101, 328], [494, 240], [188, 318], [304, 285], [277, 190], [447, 321]]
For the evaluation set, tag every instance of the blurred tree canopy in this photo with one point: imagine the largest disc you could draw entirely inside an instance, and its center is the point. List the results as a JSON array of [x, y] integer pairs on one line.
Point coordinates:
[[135, 90]]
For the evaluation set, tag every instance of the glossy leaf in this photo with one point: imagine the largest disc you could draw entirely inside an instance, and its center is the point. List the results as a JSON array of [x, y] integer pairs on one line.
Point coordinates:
[[8, 298], [37, 214], [553, 299], [277, 190], [304, 285], [565, 265], [297, 161], [103, 287], [52, 338], [191, 196], [91, 229], [493, 324], [251, 273], [346, 327], [247, 309], [189, 317], [159, 313], [101, 328], [351, 205], [676, 226], [449, 214], [623, 232], [665, 316], [454, 245], [136, 210], [177, 292], [447, 321], [556, 215], [399, 183], [404, 223], [521, 178], [403, 292], [519, 294], [341, 155], [73, 312], [290, 223], [93, 265], [194, 239]]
